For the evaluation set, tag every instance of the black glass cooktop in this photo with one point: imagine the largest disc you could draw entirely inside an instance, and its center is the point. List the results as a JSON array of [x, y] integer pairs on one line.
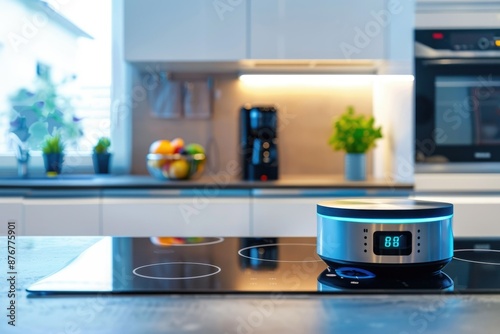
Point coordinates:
[[247, 265]]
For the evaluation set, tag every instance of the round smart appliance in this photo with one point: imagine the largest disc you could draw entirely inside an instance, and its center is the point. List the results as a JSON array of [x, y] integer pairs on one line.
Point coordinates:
[[385, 236]]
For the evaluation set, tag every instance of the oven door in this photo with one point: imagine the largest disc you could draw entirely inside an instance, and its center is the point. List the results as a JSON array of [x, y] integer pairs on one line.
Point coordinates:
[[457, 110]]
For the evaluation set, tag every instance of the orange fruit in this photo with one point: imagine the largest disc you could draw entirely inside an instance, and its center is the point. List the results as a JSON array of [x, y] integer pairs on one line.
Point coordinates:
[[167, 241], [162, 241], [162, 146], [177, 143]]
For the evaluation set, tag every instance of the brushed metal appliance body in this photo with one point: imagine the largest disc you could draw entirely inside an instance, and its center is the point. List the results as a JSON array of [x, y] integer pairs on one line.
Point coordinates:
[[383, 235]]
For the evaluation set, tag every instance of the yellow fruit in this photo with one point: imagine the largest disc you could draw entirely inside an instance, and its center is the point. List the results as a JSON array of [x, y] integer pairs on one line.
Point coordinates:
[[161, 147], [179, 169]]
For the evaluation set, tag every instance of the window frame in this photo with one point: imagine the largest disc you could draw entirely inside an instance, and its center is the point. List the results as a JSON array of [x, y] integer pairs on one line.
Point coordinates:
[[120, 117]]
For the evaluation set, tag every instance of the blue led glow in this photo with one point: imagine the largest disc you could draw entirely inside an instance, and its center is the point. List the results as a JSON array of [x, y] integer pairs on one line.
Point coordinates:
[[344, 272], [388, 220]]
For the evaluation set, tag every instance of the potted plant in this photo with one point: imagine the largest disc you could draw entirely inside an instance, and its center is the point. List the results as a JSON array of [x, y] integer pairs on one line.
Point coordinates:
[[53, 150], [101, 156], [354, 134]]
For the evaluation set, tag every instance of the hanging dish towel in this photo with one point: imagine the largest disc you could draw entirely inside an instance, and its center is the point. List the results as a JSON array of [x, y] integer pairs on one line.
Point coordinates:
[[166, 98]]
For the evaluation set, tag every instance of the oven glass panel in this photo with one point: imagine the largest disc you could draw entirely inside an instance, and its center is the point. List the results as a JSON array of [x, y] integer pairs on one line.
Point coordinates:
[[467, 110]]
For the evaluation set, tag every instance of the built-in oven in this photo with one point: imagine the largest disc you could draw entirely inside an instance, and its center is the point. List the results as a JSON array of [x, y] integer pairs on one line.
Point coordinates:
[[457, 99]]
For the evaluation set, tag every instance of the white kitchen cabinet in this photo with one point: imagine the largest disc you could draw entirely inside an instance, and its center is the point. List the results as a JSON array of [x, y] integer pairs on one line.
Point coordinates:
[[284, 217], [320, 29], [460, 14], [178, 30], [473, 215], [292, 212], [11, 211], [170, 214], [61, 213]]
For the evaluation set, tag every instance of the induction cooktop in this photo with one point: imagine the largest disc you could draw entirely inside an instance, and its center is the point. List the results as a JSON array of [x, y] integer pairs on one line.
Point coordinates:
[[254, 265]]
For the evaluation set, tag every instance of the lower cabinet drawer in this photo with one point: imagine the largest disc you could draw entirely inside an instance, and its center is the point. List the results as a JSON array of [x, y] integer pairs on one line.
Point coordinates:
[[11, 216], [284, 217], [473, 216], [183, 217], [61, 217]]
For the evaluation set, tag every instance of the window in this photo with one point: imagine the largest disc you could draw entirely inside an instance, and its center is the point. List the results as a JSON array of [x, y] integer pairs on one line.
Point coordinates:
[[71, 42]]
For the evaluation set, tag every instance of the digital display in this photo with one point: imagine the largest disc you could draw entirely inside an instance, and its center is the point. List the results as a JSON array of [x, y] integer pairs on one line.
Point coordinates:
[[392, 243]]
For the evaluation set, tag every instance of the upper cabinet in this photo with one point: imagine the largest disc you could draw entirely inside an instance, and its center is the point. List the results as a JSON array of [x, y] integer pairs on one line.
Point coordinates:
[[179, 30], [459, 14], [206, 31], [319, 29]]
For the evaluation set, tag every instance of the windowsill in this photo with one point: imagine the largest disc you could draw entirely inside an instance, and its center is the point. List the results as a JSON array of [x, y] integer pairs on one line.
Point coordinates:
[[73, 163]]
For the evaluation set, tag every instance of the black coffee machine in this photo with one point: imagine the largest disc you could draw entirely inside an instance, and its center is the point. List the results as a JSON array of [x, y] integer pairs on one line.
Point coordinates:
[[258, 143]]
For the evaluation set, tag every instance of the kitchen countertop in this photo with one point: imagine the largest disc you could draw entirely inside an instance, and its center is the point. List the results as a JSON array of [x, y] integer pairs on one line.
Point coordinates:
[[260, 313], [92, 181]]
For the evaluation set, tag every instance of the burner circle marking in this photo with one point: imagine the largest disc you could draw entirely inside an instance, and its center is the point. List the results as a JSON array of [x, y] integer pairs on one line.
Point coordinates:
[[278, 244], [478, 250], [217, 270]]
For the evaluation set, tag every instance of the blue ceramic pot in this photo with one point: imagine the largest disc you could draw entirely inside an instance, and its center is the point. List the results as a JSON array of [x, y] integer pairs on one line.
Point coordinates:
[[101, 162], [355, 166], [53, 162]]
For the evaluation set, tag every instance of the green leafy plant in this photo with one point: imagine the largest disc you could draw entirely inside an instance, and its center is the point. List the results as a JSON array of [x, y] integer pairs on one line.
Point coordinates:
[[45, 109], [354, 133], [102, 145], [52, 144]]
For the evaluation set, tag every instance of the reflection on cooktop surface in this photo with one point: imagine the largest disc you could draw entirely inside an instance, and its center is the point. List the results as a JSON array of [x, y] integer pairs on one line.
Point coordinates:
[[245, 265], [478, 256], [348, 279]]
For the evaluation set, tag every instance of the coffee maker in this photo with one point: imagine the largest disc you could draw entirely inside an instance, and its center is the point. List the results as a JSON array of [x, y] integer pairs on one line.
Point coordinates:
[[258, 142]]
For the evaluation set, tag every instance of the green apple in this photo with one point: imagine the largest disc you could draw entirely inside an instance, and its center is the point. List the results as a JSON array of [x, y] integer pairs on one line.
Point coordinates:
[[194, 148]]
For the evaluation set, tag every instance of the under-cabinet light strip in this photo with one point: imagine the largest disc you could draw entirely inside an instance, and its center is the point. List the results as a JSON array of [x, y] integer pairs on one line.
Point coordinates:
[[319, 79]]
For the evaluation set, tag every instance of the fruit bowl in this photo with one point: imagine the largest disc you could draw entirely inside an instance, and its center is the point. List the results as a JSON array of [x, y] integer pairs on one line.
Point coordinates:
[[175, 166]]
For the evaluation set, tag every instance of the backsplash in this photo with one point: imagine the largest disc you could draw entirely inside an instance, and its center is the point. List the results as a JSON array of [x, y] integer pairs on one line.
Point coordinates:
[[306, 113]]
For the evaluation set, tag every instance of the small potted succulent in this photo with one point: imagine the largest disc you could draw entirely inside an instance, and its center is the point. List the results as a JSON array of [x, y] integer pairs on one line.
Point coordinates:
[[354, 134], [53, 153], [101, 157]]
